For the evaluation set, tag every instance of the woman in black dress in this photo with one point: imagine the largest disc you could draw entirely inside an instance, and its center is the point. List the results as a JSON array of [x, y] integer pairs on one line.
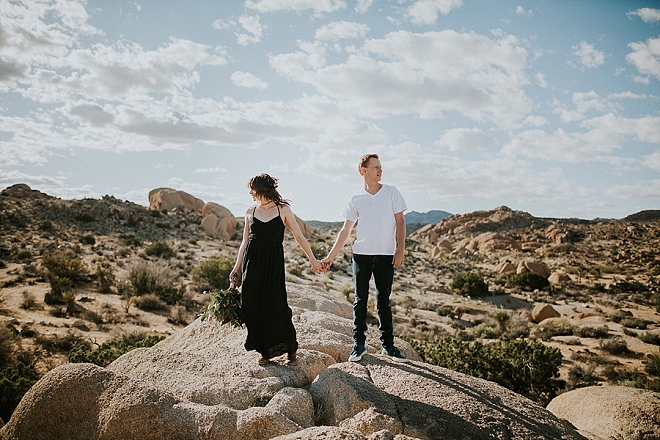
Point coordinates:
[[264, 307]]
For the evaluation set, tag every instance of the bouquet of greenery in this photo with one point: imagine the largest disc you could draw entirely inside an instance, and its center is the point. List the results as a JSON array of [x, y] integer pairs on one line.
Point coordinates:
[[225, 308]]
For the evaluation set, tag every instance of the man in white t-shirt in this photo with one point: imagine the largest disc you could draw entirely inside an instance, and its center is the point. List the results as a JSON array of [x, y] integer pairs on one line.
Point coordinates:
[[378, 249]]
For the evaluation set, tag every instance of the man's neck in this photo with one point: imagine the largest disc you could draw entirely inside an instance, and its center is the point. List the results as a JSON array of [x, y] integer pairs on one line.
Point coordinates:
[[372, 187]]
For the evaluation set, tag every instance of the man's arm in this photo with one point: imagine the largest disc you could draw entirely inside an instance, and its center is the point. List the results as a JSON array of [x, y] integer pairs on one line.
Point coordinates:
[[340, 242], [400, 252]]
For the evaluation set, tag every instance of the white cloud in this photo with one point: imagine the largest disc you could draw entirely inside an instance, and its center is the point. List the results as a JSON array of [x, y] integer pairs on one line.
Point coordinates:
[[363, 6], [469, 139], [223, 24], [408, 73], [521, 11], [425, 12], [646, 57], [252, 24], [341, 29], [540, 80], [653, 160], [648, 15], [646, 190], [583, 102], [318, 7], [215, 170], [246, 79], [589, 56]]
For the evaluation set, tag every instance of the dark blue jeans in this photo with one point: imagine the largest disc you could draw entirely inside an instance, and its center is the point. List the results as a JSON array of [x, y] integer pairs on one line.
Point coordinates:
[[380, 266]]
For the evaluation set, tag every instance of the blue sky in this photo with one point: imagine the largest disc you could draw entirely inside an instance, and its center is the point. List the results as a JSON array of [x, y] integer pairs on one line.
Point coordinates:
[[550, 107]]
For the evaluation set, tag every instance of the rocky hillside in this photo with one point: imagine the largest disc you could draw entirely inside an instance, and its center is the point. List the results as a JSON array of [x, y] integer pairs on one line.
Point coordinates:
[[141, 276]]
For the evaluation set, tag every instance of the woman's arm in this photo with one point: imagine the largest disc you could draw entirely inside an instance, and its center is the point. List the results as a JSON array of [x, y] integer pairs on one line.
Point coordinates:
[[290, 222], [234, 276]]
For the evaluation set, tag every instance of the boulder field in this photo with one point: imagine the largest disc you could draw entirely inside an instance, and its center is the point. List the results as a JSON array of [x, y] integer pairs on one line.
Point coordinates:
[[200, 383]]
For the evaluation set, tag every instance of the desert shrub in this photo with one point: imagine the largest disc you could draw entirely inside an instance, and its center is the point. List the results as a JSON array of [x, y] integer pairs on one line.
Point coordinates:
[[87, 239], [15, 381], [156, 279], [60, 343], [108, 351], [63, 269], [637, 323], [104, 278], [614, 346], [45, 225], [295, 269], [527, 280], [469, 284], [591, 332], [154, 213], [24, 255], [579, 376], [319, 248], [29, 301], [159, 248], [653, 365], [546, 332], [486, 330], [149, 303], [84, 217], [130, 240], [213, 272], [649, 338], [525, 366], [9, 344], [178, 316]]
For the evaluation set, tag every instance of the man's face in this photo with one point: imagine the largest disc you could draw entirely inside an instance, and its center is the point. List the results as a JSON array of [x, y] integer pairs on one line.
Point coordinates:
[[373, 171]]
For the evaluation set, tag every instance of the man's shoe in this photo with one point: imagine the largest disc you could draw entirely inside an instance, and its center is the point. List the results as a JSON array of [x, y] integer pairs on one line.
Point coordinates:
[[358, 351], [394, 353]]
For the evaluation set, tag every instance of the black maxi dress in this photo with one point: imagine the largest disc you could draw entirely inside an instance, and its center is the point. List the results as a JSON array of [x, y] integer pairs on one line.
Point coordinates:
[[264, 307]]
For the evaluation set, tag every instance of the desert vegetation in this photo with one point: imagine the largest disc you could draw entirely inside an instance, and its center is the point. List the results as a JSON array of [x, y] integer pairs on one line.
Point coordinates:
[[88, 280]]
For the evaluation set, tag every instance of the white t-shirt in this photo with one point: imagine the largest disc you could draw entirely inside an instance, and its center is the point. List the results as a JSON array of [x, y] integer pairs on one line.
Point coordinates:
[[376, 228]]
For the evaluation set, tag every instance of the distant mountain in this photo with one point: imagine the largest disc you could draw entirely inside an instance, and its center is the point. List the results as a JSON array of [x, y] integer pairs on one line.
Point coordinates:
[[426, 217], [650, 215]]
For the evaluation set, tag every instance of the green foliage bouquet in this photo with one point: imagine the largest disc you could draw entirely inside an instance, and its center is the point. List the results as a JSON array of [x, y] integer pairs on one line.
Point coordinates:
[[225, 308]]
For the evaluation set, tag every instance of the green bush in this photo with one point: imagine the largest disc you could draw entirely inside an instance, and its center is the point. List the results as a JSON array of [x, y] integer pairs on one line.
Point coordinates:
[[63, 269], [108, 351], [159, 248], [15, 381], [213, 272], [591, 332], [525, 366], [469, 284], [146, 279], [527, 280], [87, 239], [84, 217]]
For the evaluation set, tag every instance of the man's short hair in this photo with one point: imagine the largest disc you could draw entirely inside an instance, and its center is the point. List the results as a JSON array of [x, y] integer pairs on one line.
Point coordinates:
[[364, 160]]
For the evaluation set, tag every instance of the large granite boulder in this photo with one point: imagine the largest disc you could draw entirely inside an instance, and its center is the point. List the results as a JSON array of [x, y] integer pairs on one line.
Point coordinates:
[[218, 221], [169, 199], [611, 412], [200, 383]]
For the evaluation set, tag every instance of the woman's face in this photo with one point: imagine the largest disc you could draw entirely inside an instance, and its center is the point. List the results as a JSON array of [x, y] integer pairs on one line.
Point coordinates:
[[257, 198]]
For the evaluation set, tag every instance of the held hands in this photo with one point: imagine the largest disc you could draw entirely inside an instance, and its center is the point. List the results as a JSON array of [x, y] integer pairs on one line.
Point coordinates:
[[316, 265], [326, 263]]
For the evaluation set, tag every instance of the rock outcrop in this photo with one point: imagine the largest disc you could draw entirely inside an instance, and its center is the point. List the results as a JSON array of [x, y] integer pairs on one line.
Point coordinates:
[[200, 383], [21, 191], [544, 311], [218, 221], [168, 199], [611, 412]]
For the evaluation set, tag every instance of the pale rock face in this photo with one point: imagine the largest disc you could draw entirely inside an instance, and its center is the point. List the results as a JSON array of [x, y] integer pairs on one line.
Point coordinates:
[[559, 278], [169, 199], [200, 383], [21, 190], [544, 311], [611, 412], [218, 221], [530, 266]]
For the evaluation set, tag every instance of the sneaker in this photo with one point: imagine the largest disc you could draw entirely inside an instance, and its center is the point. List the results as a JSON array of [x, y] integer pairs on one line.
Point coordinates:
[[358, 351], [394, 353]]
